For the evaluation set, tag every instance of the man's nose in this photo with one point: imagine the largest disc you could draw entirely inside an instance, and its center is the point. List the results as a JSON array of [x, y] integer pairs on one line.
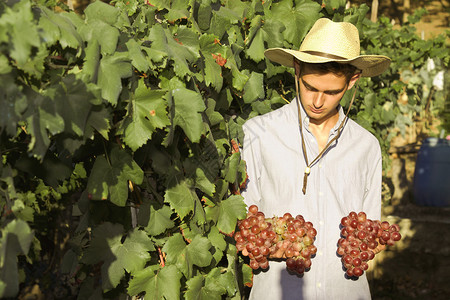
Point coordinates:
[[319, 100]]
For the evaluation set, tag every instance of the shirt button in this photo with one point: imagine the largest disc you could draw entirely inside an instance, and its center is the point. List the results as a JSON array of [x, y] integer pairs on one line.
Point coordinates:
[[320, 166], [320, 194], [319, 284], [320, 253], [320, 222]]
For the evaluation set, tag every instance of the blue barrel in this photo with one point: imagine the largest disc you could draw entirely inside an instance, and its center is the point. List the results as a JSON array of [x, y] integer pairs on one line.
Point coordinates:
[[432, 173]]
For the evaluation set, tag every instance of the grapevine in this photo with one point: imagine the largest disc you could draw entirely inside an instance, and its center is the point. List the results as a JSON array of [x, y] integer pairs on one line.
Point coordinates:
[[286, 237]]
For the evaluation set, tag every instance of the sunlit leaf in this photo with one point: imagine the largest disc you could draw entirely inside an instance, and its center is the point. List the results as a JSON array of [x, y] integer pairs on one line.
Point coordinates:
[[146, 112], [111, 71], [157, 282], [297, 20], [187, 107], [227, 212], [185, 256]]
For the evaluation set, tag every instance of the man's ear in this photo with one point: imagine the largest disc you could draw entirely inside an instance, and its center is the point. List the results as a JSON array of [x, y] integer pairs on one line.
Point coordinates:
[[353, 80]]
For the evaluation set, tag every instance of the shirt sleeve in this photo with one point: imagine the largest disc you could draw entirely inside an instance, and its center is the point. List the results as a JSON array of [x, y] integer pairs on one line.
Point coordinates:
[[251, 154], [372, 196]]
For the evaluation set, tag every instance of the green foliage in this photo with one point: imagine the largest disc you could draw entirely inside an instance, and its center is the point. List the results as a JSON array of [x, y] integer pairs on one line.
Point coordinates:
[[116, 131]]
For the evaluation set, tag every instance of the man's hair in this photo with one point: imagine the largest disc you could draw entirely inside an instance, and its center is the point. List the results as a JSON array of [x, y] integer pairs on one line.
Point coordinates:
[[336, 68]]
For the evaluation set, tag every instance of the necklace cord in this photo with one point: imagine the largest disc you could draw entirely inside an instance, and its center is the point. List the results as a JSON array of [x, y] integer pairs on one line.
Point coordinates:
[[309, 165]]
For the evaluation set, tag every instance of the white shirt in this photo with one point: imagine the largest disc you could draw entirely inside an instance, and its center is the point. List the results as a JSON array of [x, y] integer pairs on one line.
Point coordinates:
[[347, 178]]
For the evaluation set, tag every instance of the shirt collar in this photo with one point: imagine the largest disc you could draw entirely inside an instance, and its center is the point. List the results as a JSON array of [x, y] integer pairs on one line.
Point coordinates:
[[305, 118]]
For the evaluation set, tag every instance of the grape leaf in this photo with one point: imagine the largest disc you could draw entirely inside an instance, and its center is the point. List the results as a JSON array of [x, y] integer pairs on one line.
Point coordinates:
[[186, 256], [117, 257], [91, 62], [146, 112], [297, 20], [42, 119], [178, 10], [227, 212], [239, 78], [110, 177], [218, 242], [204, 16], [18, 21], [59, 28], [138, 59], [213, 73], [15, 239], [5, 68], [189, 38], [187, 107], [180, 196], [223, 19], [254, 88], [73, 103], [273, 29], [202, 171], [205, 287], [156, 282], [229, 282], [247, 275], [212, 70], [263, 33], [99, 119], [13, 103], [106, 35], [159, 220], [163, 43], [230, 169], [101, 11], [331, 5], [255, 40], [111, 71]]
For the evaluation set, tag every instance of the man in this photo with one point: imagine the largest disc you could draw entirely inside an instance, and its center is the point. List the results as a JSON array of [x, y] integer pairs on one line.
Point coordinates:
[[308, 158]]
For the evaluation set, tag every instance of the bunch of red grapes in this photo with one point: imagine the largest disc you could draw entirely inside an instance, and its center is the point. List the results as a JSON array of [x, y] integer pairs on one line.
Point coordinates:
[[360, 238], [262, 238]]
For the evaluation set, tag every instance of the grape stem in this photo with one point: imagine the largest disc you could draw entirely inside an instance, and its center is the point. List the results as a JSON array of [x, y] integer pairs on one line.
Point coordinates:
[[379, 248]]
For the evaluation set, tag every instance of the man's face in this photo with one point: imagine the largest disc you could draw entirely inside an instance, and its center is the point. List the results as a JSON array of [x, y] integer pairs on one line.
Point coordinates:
[[320, 94]]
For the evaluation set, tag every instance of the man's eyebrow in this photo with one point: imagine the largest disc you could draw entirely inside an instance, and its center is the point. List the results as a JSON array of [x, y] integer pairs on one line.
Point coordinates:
[[310, 87]]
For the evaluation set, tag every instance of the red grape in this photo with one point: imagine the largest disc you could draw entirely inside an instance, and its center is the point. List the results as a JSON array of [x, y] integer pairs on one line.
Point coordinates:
[[254, 264], [345, 221], [363, 246], [255, 229], [259, 238], [357, 272], [359, 235], [356, 262], [385, 225], [396, 236], [287, 216], [260, 241], [362, 217], [264, 264], [253, 209], [364, 256], [290, 263]]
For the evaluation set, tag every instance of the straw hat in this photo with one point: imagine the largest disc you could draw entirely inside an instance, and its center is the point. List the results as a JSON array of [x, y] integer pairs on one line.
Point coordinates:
[[331, 41]]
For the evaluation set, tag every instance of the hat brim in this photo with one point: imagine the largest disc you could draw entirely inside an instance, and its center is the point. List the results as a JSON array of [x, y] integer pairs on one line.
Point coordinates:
[[370, 65]]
